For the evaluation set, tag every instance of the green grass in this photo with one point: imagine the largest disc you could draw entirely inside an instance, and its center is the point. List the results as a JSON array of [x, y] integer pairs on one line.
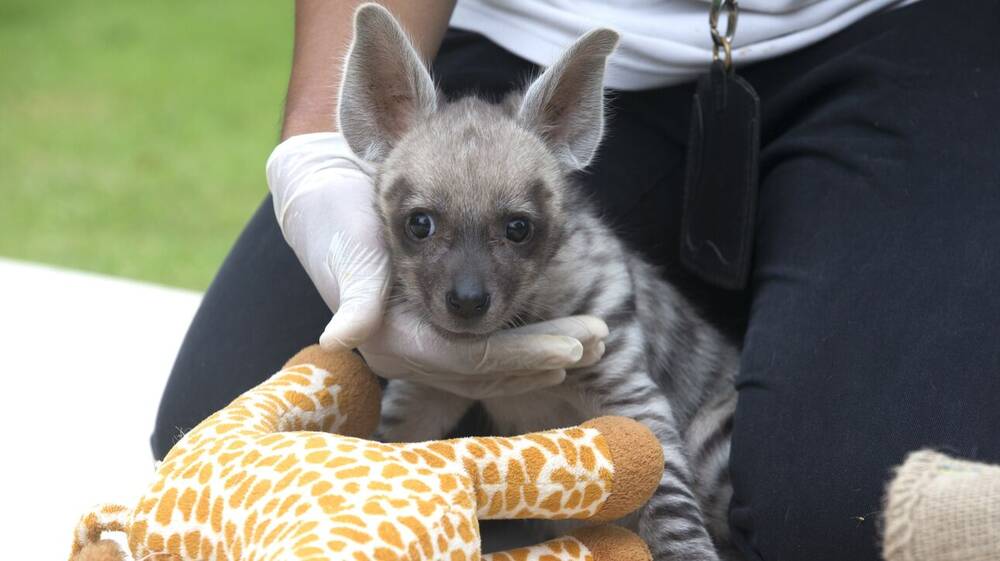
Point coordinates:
[[133, 135]]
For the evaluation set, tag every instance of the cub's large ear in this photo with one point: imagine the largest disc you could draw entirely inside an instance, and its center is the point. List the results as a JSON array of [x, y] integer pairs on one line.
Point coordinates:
[[386, 88], [565, 105]]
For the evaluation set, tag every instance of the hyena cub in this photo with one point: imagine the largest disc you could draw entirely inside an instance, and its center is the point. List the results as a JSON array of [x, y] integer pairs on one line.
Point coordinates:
[[486, 230]]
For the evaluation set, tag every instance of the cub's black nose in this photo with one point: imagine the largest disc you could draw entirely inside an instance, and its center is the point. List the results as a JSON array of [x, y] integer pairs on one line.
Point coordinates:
[[467, 300]]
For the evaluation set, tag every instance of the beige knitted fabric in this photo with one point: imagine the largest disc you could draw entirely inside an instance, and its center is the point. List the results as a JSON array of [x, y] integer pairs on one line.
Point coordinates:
[[942, 509]]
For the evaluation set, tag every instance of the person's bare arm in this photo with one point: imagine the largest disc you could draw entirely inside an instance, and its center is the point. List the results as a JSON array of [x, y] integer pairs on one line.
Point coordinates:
[[322, 37]]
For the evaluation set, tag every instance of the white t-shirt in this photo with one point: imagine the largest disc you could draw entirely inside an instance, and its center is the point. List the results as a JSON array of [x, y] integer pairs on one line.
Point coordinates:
[[663, 42]]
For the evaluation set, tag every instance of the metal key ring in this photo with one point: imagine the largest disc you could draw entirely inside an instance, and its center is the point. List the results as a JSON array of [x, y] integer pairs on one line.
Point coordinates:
[[725, 41]]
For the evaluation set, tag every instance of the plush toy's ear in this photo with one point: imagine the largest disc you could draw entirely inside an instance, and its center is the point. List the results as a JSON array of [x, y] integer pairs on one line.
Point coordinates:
[[565, 105], [386, 88]]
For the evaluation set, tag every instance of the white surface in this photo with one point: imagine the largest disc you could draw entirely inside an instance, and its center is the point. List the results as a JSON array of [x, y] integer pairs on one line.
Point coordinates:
[[664, 42], [84, 360]]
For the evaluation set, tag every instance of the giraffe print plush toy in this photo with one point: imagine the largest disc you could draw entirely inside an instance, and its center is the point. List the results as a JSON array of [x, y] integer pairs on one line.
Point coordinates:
[[265, 479]]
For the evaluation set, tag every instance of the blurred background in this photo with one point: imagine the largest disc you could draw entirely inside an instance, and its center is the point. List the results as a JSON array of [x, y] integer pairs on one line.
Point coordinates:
[[133, 137]]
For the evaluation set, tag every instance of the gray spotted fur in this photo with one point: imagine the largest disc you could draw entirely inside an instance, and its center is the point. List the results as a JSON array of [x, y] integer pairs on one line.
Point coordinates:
[[471, 163]]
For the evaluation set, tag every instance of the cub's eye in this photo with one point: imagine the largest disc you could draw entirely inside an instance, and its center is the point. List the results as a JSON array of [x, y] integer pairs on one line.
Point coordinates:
[[518, 230], [420, 225]]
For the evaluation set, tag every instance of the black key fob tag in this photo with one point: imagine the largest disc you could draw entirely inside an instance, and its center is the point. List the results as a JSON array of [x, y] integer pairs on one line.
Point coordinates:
[[720, 190]]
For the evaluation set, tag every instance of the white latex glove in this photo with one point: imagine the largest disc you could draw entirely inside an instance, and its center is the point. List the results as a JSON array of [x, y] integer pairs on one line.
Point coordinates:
[[508, 362], [323, 200]]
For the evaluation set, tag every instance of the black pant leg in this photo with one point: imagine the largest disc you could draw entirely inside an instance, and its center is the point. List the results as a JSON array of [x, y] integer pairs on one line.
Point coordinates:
[[874, 327], [260, 309]]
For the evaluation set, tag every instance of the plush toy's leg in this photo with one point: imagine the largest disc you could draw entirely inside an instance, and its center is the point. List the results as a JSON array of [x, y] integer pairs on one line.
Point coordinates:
[[603, 543], [601, 471]]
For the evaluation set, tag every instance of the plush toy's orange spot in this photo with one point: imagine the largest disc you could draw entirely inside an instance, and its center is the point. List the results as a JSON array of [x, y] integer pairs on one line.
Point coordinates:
[[426, 508], [299, 400], [165, 510], [273, 534], [331, 503], [491, 445], [531, 495], [317, 457], [321, 488], [339, 461], [236, 499], [379, 486], [552, 503], [534, 460], [416, 486], [206, 548], [544, 442], [287, 480], [449, 528], [564, 478], [433, 460], [390, 535], [251, 457], [574, 499], [568, 451], [465, 530], [257, 493], [410, 457], [373, 509], [393, 470], [186, 502], [248, 526], [420, 532], [490, 474], [444, 449], [351, 534], [289, 501], [202, 510], [354, 472], [205, 474], [234, 480], [260, 529], [307, 478], [496, 503], [155, 541], [386, 554], [336, 545], [374, 456], [286, 463], [591, 494], [351, 519], [147, 506], [587, 459]]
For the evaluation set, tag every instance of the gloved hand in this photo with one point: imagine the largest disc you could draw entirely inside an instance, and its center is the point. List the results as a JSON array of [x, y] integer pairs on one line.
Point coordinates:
[[324, 202], [508, 362]]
